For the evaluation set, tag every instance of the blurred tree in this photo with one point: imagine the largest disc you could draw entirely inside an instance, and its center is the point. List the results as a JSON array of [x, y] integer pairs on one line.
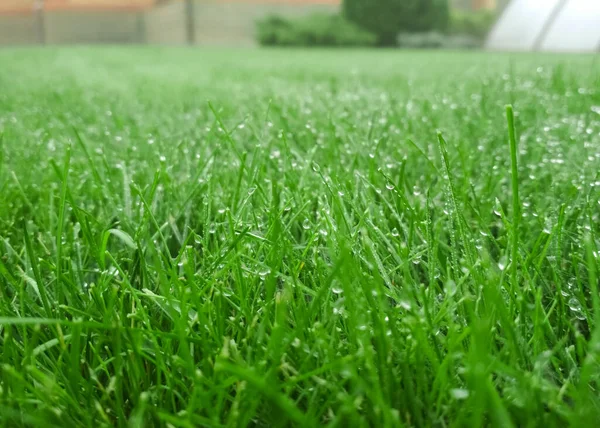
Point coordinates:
[[388, 18]]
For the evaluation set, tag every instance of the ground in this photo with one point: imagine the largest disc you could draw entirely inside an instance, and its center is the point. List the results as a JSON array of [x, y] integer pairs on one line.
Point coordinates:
[[266, 237]]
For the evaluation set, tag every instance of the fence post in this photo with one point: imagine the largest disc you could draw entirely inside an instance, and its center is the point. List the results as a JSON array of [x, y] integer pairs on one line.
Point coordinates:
[[190, 24], [40, 21]]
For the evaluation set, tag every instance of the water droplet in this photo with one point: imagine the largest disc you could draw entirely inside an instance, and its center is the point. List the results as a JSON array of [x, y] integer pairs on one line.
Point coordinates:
[[405, 304], [316, 167], [263, 273], [574, 304], [502, 263], [389, 186], [459, 393], [251, 191], [395, 232], [337, 290], [306, 224], [450, 288]]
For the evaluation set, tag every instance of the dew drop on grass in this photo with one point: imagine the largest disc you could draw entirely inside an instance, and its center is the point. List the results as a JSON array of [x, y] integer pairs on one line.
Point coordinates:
[[212, 228], [405, 304], [574, 304], [450, 288], [395, 232], [323, 232], [316, 167], [459, 393], [338, 310], [306, 224], [337, 290], [251, 191], [264, 273], [502, 263]]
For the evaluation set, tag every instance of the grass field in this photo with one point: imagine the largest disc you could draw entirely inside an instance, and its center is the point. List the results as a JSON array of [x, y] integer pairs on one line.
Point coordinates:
[[275, 238]]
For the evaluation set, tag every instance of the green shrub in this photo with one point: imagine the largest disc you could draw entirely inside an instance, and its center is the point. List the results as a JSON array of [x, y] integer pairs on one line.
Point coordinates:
[[312, 30], [473, 23], [273, 30], [388, 18], [437, 40]]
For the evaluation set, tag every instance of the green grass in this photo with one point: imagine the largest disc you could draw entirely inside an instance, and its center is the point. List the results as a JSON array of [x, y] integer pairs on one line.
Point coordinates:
[[274, 238]]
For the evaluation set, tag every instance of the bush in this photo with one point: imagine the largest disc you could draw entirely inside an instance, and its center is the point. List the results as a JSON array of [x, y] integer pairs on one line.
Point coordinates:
[[436, 40], [476, 24], [312, 30], [387, 18]]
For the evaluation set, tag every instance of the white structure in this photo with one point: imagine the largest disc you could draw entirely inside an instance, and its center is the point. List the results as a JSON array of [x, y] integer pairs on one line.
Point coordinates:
[[548, 25]]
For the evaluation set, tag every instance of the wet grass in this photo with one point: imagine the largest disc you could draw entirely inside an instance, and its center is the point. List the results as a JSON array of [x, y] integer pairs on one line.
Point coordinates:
[[267, 238]]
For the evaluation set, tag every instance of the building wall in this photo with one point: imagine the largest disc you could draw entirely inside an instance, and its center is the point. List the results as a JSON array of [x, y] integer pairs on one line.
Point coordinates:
[[96, 4], [93, 27], [474, 4], [166, 24], [19, 29], [15, 6]]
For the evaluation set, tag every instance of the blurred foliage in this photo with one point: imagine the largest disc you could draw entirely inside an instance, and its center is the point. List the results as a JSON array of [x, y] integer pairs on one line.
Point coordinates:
[[466, 30], [473, 23], [312, 30], [437, 40], [387, 18]]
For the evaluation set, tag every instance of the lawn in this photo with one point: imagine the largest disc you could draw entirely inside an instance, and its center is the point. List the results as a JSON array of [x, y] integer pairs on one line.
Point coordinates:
[[272, 238]]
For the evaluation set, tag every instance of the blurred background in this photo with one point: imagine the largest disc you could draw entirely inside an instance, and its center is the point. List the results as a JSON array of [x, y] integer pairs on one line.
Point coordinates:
[[547, 25]]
